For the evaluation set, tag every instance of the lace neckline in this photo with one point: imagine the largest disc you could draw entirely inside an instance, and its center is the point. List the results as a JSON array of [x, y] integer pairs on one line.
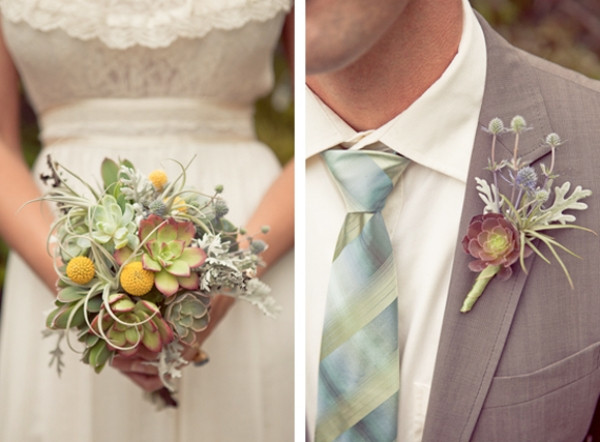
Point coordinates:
[[120, 24]]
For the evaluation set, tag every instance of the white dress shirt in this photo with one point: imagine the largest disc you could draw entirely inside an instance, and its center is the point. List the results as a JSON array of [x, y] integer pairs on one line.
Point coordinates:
[[422, 215]]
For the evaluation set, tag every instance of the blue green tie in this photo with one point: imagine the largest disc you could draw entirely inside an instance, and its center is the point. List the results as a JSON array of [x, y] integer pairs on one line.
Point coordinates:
[[359, 363]]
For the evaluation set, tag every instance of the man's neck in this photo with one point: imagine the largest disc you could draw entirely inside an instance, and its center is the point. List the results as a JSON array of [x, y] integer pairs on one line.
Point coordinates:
[[396, 71]]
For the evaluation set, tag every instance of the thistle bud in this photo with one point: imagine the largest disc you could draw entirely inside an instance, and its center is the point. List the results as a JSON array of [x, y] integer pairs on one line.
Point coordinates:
[[221, 208], [542, 195], [518, 124], [496, 126], [158, 207], [257, 246], [553, 140]]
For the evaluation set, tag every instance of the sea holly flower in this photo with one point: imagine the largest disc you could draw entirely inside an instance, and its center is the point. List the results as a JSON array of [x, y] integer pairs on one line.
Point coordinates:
[[526, 178], [168, 252]]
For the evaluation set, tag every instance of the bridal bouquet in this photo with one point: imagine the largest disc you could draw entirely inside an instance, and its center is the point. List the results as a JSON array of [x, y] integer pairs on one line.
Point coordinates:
[[514, 224], [138, 260]]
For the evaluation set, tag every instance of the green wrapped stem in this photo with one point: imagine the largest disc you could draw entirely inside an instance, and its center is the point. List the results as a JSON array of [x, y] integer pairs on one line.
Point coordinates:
[[484, 277]]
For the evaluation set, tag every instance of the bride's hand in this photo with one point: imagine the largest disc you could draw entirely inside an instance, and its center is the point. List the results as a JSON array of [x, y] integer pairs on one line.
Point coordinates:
[[145, 375], [137, 369]]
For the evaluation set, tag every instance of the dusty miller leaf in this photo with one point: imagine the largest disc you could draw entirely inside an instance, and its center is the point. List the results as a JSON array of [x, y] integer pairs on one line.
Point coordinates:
[[258, 295], [56, 354], [562, 203], [489, 195]]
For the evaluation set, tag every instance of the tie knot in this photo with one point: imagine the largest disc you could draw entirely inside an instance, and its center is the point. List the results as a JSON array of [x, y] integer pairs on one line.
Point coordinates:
[[365, 178]]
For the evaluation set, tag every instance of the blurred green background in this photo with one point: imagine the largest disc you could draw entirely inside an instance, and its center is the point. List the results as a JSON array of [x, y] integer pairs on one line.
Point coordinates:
[[564, 31]]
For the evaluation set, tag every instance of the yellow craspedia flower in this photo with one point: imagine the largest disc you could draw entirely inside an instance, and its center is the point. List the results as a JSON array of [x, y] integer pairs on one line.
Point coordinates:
[[81, 270], [158, 178], [136, 280], [179, 204]]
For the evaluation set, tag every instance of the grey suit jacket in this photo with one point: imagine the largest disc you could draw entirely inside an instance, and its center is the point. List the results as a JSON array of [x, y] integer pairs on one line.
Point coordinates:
[[523, 365]]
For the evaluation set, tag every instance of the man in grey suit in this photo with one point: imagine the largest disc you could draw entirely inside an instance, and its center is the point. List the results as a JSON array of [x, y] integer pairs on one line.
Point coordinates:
[[524, 364]]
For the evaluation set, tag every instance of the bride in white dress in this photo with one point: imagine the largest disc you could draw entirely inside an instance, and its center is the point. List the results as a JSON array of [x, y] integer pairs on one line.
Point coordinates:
[[145, 80]]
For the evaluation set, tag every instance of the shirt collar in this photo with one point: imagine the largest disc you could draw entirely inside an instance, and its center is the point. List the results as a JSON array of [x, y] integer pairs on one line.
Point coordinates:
[[437, 130]]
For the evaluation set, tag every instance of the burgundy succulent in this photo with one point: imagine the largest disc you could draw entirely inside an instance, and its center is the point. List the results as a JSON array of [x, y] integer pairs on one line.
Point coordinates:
[[493, 241]]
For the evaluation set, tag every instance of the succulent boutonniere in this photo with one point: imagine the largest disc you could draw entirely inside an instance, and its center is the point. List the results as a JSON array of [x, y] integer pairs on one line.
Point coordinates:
[[513, 225]]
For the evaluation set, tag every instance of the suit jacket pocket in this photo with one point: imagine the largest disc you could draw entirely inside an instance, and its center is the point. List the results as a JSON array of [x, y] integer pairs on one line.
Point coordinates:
[[512, 390], [555, 403]]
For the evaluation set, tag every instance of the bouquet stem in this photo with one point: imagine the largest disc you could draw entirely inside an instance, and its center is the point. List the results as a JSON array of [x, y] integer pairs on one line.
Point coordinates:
[[166, 396], [484, 277]]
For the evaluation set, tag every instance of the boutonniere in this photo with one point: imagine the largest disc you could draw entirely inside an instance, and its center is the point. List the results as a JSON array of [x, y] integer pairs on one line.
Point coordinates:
[[514, 224]]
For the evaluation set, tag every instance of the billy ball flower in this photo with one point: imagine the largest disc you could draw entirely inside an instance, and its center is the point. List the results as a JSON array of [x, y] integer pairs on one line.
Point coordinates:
[[81, 270], [158, 178], [135, 279], [179, 204], [493, 241]]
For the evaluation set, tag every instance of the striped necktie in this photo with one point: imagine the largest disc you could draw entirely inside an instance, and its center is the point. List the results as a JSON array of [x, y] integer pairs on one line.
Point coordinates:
[[359, 362]]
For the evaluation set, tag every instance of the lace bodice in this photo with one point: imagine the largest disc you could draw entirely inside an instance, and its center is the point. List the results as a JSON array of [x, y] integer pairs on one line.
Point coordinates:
[[152, 23], [210, 51]]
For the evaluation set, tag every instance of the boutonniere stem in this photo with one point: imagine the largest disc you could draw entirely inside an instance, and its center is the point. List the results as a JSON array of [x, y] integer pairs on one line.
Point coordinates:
[[481, 282]]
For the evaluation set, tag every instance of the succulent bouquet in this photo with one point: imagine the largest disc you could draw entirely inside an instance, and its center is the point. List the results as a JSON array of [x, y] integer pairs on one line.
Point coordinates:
[[513, 225], [138, 261]]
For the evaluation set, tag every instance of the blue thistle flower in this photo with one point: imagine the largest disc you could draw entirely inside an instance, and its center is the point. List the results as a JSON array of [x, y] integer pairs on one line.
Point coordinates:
[[526, 178]]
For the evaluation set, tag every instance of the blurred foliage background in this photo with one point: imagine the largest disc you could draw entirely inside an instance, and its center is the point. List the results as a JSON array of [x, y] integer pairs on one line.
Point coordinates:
[[566, 32]]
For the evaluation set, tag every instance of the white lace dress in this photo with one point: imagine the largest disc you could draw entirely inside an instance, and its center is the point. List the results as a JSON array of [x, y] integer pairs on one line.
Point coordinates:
[[150, 80]]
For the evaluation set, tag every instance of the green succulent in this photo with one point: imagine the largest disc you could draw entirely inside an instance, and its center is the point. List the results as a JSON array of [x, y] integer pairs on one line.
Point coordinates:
[[188, 314], [137, 323], [112, 225], [168, 252]]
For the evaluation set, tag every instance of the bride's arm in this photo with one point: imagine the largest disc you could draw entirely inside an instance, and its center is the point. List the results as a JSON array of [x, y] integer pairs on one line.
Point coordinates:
[[24, 229]]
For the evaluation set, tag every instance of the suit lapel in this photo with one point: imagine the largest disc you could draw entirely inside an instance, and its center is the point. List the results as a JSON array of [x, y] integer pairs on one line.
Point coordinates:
[[471, 344]]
